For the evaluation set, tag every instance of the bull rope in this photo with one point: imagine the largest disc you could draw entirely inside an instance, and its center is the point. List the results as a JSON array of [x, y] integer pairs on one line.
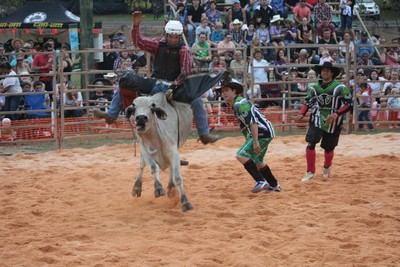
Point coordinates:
[[177, 119], [134, 138]]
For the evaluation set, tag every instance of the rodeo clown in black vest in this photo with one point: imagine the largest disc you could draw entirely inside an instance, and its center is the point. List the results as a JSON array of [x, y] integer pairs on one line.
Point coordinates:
[[172, 66]]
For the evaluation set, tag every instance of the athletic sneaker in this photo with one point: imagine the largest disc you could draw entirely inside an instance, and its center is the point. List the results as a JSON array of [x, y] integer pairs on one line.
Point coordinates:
[[308, 176], [270, 189], [276, 188], [267, 190], [259, 186], [326, 173]]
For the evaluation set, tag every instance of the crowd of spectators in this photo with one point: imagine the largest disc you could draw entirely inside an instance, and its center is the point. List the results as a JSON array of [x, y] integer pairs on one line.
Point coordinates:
[[222, 39], [216, 35], [20, 58]]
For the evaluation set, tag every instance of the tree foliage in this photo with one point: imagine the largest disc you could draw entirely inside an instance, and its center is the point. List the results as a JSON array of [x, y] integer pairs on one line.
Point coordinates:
[[138, 4], [9, 6]]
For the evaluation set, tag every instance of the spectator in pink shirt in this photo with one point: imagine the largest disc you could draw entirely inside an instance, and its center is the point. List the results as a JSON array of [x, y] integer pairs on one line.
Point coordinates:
[[301, 11]]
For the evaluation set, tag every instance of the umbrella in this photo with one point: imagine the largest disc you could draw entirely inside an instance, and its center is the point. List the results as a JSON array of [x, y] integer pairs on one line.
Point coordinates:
[[196, 85]]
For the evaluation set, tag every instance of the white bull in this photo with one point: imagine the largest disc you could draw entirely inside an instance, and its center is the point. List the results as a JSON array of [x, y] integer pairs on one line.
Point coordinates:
[[162, 129]]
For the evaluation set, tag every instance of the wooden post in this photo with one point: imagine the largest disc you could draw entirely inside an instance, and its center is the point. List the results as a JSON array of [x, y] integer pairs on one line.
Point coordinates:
[[86, 37]]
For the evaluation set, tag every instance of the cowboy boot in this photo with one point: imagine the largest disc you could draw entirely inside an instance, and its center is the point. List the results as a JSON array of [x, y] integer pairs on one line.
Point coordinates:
[[103, 115], [209, 139]]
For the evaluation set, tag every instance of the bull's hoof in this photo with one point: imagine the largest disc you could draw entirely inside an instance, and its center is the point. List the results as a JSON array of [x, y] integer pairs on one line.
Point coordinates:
[[171, 191], [187, 206], [137, 191], [184, 162], [159, 192]]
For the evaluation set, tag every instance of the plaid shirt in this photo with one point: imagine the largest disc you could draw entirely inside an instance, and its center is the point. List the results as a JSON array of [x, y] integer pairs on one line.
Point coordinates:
[[151, 45], [321, 11], [237, 36]]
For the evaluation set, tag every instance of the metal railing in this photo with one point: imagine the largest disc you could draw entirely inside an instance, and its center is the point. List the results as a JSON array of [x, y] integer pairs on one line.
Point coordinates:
[[58, 129]]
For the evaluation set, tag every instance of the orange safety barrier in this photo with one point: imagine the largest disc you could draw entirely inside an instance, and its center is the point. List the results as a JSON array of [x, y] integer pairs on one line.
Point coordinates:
[[393, 115], [34, 129], [37, 130], [385, 115]]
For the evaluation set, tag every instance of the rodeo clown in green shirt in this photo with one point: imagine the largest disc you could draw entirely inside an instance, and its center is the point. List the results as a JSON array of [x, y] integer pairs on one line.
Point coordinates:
[[327, 100], [258, 132]]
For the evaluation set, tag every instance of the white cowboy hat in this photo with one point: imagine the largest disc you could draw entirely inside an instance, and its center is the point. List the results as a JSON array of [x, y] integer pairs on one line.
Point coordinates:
[[236, 21], [276, 18], [27, 45], [110, 75]]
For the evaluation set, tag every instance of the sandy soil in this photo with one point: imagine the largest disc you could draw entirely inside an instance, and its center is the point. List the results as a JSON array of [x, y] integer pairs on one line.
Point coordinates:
[[74, 207]]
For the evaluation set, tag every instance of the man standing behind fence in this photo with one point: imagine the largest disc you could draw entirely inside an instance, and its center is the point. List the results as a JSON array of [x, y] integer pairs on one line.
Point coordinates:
[[328, 100], [10, 85], [43, 63]]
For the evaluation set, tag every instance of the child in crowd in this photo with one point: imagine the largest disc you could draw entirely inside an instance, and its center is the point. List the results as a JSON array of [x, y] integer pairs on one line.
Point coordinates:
[[124, 66], [258, 132], [38, 87], [335, 58], [248, 35], [26, 87], [217, 35], [364, 101], [237, 33], [394, 102], [217, 64], [124, 55], [311, 76], [325, 57], [263, 34], [73, 99], [203, 28], [6, 133]]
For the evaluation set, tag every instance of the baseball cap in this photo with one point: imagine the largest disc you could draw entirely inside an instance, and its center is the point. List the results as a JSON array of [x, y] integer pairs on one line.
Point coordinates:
[[235, 1], [364, 33], [118, 38]]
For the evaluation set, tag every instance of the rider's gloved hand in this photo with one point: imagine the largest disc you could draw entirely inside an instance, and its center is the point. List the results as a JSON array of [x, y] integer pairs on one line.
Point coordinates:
[[169, 93]]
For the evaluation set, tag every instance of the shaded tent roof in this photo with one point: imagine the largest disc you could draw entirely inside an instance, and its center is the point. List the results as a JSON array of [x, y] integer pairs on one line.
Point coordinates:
[[40, 15]]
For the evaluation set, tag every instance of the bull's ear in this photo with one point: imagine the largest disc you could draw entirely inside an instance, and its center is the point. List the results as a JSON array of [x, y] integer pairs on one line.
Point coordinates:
[[160, 112], [129, 111]]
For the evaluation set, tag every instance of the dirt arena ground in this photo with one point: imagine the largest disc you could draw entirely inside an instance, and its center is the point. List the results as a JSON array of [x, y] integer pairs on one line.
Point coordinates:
[[74, 208]]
